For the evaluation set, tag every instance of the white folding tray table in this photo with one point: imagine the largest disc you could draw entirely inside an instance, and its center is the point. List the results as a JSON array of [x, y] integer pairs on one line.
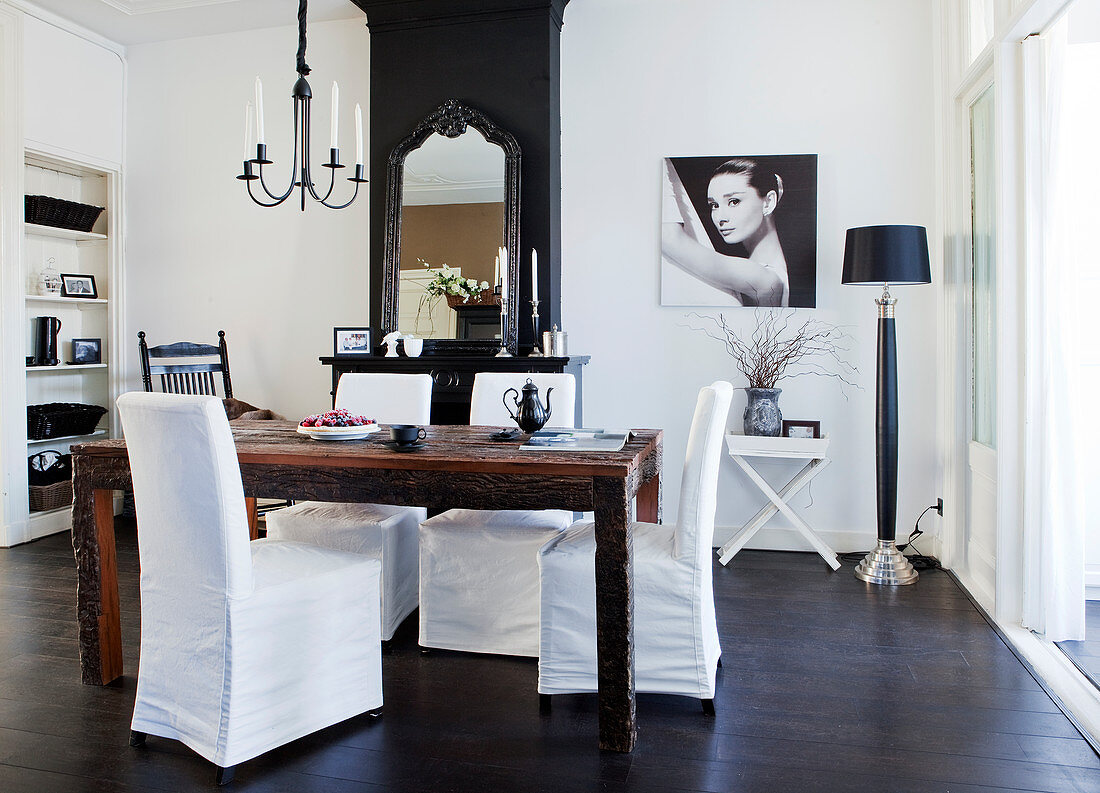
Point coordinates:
[[813, 451]]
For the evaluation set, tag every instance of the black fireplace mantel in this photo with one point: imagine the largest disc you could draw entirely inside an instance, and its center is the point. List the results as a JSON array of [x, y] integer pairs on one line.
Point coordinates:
[[500, 57]]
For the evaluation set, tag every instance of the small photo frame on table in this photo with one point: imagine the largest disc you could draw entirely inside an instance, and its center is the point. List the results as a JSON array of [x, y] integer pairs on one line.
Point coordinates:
[[87, 351], [351, 341], [77, 285], [801, 429]]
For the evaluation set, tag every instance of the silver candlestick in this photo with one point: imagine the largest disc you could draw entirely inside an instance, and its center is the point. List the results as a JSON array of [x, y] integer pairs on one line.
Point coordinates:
[[535, 351], [503, 353]]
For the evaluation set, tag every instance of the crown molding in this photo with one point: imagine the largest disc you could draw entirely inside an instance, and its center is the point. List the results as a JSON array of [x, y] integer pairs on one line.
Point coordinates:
[[50, 18], [139, 7]]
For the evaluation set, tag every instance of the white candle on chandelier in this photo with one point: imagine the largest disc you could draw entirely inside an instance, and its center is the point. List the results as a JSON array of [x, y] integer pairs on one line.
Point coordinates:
[[358, 134], [534, 275], [335, 116], [259, 111]]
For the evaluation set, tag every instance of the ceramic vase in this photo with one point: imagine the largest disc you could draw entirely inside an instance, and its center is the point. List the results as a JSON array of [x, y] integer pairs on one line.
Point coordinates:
[[762, 416]]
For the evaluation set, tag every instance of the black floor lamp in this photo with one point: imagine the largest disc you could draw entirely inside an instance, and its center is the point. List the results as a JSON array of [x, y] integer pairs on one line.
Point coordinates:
[[881, 256]]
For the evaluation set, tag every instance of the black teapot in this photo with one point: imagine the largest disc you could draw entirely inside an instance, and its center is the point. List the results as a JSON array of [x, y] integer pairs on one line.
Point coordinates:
[[530, 415]]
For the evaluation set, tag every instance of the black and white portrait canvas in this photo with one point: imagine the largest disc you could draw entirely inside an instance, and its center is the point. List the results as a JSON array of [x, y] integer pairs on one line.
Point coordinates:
[[739, 231]]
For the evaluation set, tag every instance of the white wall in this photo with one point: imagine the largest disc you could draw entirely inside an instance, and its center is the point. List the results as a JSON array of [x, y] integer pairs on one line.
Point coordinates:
[[74, 94], [849, 80], [200, 255]]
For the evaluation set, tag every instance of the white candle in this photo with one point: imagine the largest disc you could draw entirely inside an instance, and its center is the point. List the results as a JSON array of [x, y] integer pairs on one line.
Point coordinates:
[[504, 272], [358, 134], [259, 111], [534, 275], [335, 116], [248, 111], [496, 269]]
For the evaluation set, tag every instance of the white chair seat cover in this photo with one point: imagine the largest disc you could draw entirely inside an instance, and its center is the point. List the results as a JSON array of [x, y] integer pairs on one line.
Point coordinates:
[[383, 532], [479, 587], [676, 648], [482, 576], [244, 646], [287, 671], [672, 635], [386, 533]]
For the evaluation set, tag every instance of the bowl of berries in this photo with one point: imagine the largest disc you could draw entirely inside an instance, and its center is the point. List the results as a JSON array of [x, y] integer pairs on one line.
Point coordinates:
[[337, 425]]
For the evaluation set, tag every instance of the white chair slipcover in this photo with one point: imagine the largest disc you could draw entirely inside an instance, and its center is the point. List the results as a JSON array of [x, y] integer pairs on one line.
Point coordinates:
[[244, 646], [675, 633], [479, 588], [387, 533]]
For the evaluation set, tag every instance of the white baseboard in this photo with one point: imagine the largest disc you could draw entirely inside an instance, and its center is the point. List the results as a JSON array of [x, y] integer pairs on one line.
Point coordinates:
[[1092, 582], [780, 538]]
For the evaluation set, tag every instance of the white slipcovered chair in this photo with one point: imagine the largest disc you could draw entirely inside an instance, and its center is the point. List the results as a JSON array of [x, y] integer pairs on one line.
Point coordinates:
[[383, 531], [244, 646], [675, 633], [479, 580]]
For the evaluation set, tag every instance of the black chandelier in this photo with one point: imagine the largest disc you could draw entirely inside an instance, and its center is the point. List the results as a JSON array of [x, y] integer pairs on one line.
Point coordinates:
[[299, 174]]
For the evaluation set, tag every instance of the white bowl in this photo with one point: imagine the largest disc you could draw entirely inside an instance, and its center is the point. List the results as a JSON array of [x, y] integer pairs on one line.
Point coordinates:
[[413, 347]]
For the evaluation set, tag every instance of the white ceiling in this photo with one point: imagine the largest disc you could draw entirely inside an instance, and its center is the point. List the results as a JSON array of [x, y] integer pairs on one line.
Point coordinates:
[[463, 170], [139, 21]]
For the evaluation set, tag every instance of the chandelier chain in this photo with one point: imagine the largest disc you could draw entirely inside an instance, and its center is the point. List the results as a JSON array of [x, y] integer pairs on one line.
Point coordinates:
[[302, 68]]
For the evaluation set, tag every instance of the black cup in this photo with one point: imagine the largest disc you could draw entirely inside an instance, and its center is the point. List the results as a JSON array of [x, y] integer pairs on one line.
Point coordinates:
[[407, 434]]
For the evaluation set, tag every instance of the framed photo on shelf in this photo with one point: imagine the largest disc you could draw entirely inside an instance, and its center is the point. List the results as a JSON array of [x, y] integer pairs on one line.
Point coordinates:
[[76, 285], [87, 351], [351, 341], [801, 429]]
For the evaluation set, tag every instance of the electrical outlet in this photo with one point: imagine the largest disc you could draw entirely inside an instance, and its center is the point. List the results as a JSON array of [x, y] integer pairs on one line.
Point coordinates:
[[939, 507]]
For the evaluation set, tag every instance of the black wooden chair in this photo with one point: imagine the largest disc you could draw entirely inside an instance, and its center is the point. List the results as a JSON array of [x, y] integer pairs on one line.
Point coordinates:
[[186, 378]]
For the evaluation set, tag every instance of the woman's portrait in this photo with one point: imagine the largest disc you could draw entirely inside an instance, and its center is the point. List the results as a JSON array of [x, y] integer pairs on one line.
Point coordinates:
[[739, 231]]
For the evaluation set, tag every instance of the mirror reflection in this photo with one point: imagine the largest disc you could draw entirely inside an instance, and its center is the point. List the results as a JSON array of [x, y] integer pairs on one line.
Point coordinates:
[[452, 223]]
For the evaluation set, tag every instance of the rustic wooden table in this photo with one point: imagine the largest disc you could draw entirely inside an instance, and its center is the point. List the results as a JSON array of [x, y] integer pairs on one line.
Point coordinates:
[[458, 466]]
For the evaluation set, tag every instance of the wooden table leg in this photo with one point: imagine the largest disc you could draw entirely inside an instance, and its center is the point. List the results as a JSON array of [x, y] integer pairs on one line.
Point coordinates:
[[614, 615], [648, 499], [97, 583], [253, 518]]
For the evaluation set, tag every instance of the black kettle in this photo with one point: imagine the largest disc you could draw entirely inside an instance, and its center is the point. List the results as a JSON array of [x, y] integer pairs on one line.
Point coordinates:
[[530, 415], [45, 341]]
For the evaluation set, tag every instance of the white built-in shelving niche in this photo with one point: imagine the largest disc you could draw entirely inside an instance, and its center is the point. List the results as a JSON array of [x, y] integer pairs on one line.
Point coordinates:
[[96, 253]]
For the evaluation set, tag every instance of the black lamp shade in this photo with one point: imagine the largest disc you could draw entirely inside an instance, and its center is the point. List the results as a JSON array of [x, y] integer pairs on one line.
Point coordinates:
[[886, 255]]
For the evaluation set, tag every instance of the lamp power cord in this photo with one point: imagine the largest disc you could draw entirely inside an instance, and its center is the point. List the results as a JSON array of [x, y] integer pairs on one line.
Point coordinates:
[[918, 560]]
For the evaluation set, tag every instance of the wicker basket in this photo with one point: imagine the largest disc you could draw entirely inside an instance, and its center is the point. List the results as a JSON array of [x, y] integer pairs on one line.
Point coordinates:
[[60, 419], [487, 297], [46, 210], [55, 496]]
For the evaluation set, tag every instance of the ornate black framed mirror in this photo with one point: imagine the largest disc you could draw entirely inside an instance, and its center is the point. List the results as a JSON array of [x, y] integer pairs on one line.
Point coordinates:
[[452, 200]]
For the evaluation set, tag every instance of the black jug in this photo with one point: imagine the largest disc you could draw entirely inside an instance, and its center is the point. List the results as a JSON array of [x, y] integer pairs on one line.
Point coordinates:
[[530, 415], [45, 341]]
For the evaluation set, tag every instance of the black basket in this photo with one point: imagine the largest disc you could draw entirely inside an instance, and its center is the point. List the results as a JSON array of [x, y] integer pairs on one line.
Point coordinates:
[[45, 210], [60, 419], [49, 467]]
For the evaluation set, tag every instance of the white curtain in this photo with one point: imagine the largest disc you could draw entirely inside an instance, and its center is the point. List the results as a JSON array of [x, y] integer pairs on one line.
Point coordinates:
[[1054, 541]]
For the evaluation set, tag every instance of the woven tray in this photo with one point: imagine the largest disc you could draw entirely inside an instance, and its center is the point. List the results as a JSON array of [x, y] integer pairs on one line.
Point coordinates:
[[55, 496], [45, 210], [60, 419], [485, 298]]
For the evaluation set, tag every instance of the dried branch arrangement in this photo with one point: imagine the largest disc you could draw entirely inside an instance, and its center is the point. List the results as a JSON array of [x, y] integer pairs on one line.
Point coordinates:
[[777, 344]]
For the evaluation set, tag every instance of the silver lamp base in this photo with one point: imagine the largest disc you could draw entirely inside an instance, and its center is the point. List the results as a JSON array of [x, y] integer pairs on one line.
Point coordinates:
[[886, 565]]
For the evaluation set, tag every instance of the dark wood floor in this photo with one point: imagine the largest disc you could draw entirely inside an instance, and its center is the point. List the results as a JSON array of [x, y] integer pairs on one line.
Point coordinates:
[[827, 685], [1086, 654]]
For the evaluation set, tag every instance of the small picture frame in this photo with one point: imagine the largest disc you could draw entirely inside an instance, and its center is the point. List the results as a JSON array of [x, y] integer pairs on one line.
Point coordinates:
[[87, 351], [79, 286], [351, 341], [801, 429]]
